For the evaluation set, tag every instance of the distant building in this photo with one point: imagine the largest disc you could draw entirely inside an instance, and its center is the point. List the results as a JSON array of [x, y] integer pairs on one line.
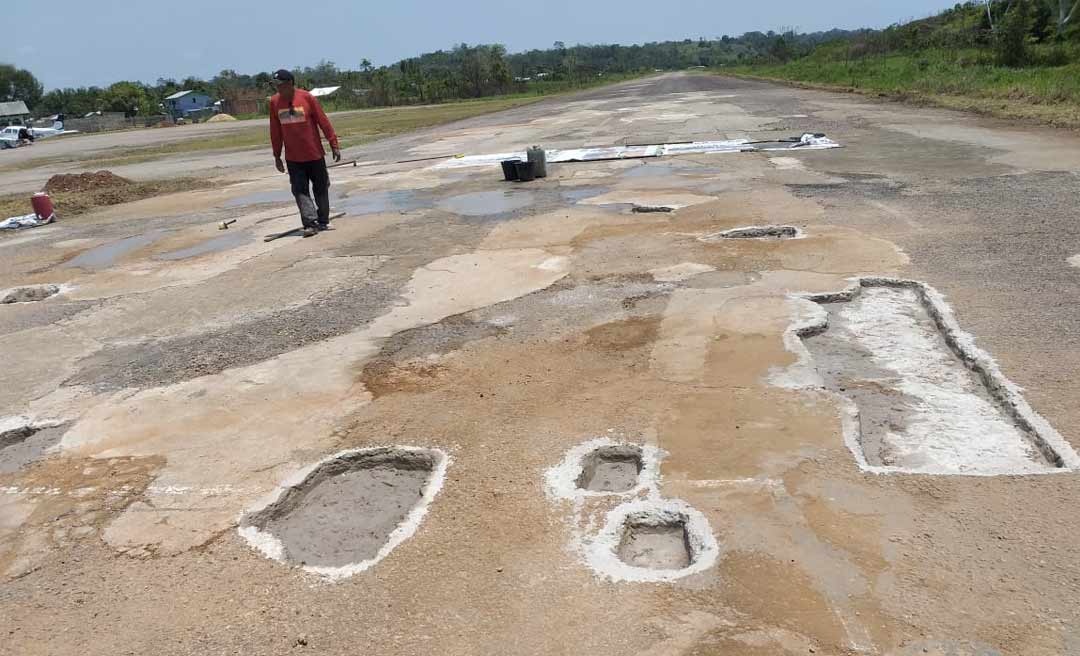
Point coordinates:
[[13, 113], [182, 103], [243, 101]]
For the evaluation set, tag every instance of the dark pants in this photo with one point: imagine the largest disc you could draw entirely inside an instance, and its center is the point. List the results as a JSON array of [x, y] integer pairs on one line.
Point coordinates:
[[306, 178]]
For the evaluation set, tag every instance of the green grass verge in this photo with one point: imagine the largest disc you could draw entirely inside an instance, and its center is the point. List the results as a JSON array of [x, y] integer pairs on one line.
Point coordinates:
[[354, 128], [954, 79]]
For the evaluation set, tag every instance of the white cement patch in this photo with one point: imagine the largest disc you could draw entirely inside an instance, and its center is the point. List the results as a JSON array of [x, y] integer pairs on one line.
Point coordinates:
[[561, 481], [600, 552], [267, 544], [954, 429], [1075, 261], [680, 272]]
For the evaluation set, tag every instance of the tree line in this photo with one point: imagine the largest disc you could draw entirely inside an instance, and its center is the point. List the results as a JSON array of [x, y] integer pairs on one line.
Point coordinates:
[[461, 72]]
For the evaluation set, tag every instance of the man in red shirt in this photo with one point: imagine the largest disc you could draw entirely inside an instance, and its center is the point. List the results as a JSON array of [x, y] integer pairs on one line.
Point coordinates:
[[295, 120]]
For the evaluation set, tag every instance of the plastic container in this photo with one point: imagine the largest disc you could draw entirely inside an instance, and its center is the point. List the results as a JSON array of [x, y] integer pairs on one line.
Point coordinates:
[[538, 157], [525, 171], [43, 206], [510, 169]]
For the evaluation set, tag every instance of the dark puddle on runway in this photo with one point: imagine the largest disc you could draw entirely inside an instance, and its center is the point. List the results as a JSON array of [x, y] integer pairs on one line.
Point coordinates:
[[577, 195], [225, 242], [487, 203], [378, 202], [265, 197], [104, 256]]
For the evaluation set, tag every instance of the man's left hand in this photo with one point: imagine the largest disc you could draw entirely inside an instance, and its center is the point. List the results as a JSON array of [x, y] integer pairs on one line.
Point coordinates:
[[337, 154]]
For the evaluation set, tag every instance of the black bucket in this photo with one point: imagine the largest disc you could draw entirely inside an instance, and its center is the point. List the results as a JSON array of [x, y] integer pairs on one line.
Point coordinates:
[[525, 171], [510, 170]]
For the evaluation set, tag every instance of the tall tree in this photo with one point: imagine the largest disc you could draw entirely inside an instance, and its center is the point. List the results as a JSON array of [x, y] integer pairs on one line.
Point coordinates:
[[19, 84]]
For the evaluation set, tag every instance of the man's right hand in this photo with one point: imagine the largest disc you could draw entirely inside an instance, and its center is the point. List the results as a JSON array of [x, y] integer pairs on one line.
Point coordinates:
[[279, 164]]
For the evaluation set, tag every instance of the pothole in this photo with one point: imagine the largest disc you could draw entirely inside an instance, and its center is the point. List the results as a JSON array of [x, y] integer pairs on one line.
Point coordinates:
[[346, 513], [603, 466], [652, 209], [23, 441], [920, 397], [614, 468], [653, 540], [756, 232], [28, 294]]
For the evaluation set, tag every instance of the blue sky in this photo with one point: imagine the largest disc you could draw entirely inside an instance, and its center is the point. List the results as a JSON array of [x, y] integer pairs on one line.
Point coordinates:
[[78, 43]]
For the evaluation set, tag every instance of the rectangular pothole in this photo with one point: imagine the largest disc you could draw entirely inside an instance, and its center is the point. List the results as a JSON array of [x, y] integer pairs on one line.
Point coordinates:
[[612, 468], [651, 544], [920, 409]]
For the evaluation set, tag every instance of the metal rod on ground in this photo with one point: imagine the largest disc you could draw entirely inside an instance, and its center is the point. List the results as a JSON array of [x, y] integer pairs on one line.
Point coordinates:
[[428, 159], [345, 163]]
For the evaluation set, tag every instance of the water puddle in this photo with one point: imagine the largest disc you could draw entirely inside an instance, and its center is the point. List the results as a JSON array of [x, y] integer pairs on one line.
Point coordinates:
[[266, 197], [231, 239], [487, 203], [384, 201], [104, 256], [575, 195]]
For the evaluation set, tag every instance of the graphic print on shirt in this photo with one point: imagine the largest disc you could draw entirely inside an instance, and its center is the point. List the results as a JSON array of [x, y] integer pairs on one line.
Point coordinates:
[[292, 115]]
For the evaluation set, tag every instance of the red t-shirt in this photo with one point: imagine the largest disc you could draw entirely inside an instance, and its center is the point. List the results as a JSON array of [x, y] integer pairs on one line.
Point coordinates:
[[297, 124]]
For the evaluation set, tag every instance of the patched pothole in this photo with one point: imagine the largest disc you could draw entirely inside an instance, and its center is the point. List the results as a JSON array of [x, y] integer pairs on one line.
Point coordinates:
[[655, 542], [346, 513], [613, 468], [917, 395], [603, 466], [28, 294], [756, 232]]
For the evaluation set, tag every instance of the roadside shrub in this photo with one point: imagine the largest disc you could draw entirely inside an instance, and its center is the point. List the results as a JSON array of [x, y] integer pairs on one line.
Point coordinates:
[[1010, 42]]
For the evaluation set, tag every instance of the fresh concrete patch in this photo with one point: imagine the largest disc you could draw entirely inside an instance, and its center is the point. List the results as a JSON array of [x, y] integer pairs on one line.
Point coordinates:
[[613, 468], [348, 512], [756, 232], [1075, 261], [650, 540], [917, 395], [604, 466], [28, 294]]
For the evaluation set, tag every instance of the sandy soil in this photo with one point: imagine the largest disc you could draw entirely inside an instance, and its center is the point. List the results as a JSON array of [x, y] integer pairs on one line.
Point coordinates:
[[158, 397]]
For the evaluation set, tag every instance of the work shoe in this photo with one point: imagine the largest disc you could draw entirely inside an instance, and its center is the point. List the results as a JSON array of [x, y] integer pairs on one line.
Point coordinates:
[[323, 226], [309, 232]]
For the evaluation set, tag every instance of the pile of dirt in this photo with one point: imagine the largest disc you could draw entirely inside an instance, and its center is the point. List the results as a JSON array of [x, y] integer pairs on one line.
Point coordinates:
[[218, 118], [82, 182]]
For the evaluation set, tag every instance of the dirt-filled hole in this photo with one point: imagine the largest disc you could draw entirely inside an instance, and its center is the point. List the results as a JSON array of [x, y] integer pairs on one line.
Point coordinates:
[[655, 542], [28, 294], [345, 511], [756, 232], [612, 468]]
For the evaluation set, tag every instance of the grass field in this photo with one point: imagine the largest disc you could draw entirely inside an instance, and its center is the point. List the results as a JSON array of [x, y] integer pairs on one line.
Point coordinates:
[[353, 128], [956, 79]]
